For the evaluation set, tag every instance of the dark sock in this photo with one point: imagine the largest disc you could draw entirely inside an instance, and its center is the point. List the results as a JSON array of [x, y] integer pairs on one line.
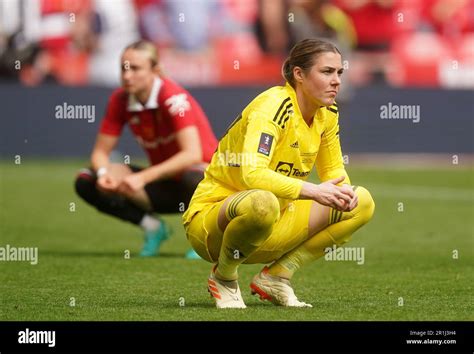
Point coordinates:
[[115, 205]]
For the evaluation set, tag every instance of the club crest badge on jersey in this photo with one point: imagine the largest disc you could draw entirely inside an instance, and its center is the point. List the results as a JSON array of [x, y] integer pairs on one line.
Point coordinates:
[[135, 120], [178, 104], [265, 144]]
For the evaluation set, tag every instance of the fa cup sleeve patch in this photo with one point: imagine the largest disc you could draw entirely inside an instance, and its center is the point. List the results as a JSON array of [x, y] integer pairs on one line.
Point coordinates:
[[265, 144]]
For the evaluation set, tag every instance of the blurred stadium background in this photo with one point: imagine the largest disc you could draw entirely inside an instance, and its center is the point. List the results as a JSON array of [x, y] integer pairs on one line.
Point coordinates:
[[400, 52]]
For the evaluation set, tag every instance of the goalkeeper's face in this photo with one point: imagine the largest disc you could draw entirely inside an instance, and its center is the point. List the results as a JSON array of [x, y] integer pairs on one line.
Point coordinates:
[[322, 82], [137, 71]]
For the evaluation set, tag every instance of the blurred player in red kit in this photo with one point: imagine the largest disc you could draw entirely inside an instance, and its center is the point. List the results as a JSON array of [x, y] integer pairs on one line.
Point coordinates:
[[173, 130]]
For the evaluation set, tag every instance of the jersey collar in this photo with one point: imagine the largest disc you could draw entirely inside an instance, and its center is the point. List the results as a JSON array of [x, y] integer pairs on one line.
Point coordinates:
[[135, 106]]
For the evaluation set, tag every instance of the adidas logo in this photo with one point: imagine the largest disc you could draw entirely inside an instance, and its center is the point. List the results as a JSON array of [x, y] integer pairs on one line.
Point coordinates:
[[295, 145]]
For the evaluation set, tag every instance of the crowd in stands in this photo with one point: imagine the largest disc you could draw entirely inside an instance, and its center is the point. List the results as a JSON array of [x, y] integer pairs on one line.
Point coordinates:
[[427, 43]]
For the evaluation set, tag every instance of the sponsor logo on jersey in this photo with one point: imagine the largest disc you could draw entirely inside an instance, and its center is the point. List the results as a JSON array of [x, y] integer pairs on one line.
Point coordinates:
[[265, 144], [287, 169], [153, 144], [284, 168], [299, 173]]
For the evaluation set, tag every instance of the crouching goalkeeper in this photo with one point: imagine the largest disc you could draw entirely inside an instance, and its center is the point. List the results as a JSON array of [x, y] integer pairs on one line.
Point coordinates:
[[254, 204]]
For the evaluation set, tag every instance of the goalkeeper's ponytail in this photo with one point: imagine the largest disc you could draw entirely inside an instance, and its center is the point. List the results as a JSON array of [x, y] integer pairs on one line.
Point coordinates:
[[287, 72]]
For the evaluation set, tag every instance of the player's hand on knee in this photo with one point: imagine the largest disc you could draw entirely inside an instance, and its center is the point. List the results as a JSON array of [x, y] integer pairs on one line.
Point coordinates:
[[107, 184], [131, 184], [349, 206], [354, 201], [334, 196]]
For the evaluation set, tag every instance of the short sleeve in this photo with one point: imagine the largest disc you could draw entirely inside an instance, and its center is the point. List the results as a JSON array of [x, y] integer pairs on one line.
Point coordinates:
[[114, 120]]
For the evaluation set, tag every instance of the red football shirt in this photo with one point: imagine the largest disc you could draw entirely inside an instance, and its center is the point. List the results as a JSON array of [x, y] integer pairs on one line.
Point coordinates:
[[169, 109]]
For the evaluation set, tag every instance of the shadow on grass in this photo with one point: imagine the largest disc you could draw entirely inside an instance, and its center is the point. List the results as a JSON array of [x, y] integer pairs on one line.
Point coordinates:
[[210, 305], [106, 254]]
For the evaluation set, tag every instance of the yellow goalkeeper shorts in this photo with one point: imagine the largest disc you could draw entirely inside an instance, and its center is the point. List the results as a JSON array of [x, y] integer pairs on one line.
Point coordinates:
[[289, 232]]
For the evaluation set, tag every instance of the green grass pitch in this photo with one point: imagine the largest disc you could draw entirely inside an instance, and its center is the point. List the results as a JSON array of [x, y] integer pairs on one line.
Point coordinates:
[[419, 256]]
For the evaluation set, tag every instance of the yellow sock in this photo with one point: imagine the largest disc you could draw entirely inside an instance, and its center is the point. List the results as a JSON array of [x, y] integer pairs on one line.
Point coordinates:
[[335, 234], [252, 215]]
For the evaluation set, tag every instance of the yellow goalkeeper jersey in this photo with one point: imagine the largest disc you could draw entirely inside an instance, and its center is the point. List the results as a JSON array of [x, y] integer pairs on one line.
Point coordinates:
[[269, 146]]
